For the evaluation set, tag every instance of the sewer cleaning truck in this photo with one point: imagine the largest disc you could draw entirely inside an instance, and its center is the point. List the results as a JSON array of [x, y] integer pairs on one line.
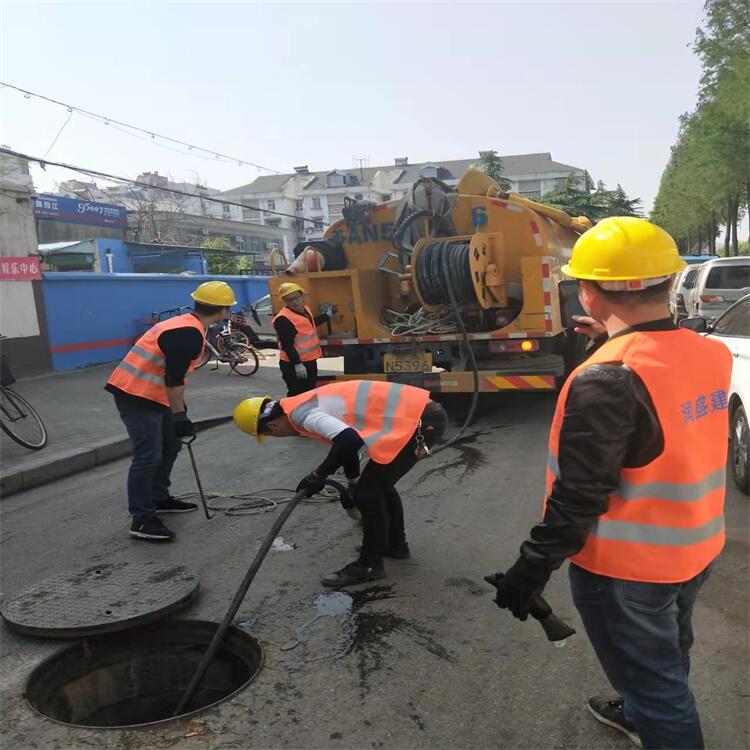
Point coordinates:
[[450, 289]]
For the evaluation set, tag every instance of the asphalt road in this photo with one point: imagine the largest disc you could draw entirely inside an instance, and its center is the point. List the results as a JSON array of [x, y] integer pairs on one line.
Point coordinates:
[[422, 659]]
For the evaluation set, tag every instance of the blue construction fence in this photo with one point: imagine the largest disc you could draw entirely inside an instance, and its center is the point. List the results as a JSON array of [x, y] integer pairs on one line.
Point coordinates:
[[93, 318]]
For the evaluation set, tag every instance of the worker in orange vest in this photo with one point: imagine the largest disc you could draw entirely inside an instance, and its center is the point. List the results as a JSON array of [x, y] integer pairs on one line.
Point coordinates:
[[299, 346], [149, 390], [635, 483], [398, 424]]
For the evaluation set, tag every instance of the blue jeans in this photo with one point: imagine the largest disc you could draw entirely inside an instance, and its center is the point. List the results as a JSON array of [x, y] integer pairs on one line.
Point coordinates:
[[155, 448], [642, 634]]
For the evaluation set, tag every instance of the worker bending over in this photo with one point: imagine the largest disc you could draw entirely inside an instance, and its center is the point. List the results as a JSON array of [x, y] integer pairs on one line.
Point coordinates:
[[635, 483], [299, 346], [397, 424], [149, 390]]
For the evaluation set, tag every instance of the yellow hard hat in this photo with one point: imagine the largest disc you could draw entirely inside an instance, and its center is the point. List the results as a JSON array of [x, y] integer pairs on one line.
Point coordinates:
[[246, 415], [217, 293], [623, 248], [288, 288]]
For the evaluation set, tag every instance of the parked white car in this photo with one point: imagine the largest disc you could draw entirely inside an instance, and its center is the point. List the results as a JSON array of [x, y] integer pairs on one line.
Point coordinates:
[[733, 330], [680, 293], [263, 324], [718, 284]]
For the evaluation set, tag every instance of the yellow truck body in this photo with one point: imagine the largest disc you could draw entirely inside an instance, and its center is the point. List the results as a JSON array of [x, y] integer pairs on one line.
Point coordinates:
[[506, 254]]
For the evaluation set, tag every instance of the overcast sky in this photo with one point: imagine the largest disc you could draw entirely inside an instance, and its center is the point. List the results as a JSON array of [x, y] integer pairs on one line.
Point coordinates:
[[600, 85]]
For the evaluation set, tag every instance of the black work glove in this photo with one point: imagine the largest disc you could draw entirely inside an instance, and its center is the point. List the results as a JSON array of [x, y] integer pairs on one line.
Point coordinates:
[[517, 587], [182, 426], [311, 484]]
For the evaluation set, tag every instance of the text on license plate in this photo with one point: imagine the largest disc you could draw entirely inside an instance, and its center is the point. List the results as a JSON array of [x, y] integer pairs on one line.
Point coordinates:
[[417, 362]]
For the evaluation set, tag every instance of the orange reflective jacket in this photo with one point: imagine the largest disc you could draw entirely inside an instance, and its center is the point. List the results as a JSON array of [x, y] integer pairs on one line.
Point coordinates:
[[384, 414], [306, 340], [141, 372], [665, 522]]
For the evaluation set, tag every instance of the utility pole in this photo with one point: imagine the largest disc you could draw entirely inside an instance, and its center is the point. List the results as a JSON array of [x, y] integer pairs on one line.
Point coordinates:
[[361, 160]]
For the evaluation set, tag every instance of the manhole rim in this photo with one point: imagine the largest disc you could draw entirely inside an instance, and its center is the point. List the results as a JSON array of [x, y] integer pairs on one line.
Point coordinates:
[[146, 725]]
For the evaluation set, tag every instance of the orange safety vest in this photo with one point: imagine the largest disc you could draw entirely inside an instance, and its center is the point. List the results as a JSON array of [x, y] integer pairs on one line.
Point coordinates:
[[385, 415], [306, 340], [665, 521], [141, 372]]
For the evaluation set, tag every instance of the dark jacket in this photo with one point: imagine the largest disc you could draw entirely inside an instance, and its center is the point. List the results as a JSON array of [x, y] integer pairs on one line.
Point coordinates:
[[610, 423], [286, 332]]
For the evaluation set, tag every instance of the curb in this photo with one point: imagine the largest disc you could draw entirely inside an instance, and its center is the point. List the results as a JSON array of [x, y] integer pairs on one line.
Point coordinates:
[[76, 461]]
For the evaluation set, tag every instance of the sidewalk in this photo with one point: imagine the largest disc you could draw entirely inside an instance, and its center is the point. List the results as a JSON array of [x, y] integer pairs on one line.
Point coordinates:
[[85, 429]]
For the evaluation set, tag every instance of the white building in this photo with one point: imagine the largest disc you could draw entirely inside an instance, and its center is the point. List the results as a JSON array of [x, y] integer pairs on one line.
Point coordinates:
[[181, 210], [318, 197]]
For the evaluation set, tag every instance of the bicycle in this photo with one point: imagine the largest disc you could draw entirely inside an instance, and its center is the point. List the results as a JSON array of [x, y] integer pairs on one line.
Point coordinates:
[[221, 345], [18, 418]]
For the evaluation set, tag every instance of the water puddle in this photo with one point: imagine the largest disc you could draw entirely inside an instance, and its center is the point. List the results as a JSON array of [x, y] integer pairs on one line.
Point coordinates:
[[345, 623]]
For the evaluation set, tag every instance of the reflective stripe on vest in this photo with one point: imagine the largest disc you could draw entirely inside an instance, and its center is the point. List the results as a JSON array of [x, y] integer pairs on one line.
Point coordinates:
[[142, 370], [385, 415], [135, 372], [665, 521], [306, 342]]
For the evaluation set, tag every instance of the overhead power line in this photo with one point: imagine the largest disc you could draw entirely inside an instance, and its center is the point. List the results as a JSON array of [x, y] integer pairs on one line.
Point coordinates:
[[153, 135], [44, 163]]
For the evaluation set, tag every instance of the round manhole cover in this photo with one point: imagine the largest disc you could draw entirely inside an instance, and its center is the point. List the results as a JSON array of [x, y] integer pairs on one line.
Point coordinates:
[[100, 599]]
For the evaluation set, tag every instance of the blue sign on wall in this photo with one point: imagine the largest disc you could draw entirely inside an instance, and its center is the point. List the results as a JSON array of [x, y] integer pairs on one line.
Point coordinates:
[[78, 211]]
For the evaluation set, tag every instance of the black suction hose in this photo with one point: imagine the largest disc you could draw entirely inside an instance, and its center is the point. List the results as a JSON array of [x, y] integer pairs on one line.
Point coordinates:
[[213, 647], [443, 276], [474, 367]]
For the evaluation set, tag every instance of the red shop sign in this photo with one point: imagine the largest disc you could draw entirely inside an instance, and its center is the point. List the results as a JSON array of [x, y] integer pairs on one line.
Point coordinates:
[[25, 268]]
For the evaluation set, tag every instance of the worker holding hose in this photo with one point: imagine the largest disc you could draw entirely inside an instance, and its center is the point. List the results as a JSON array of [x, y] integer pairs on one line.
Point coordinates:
[[299, 346], [397, 423], [635, 483]]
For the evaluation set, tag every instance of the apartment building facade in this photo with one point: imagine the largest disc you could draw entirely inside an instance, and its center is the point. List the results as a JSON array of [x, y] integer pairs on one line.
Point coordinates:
[[310, 201]]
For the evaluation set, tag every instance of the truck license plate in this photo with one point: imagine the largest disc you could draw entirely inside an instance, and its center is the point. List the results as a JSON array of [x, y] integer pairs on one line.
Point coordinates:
[[413, 362]]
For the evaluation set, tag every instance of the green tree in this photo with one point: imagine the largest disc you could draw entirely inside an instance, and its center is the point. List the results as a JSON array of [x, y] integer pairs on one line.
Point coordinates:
[[571, 197], [618, 203], [706, 183], [492, 165], [224, 261]]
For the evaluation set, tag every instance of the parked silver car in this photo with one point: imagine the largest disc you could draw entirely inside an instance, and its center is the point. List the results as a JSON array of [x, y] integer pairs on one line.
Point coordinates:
[[718, 285], [262, 324], [680, 293]]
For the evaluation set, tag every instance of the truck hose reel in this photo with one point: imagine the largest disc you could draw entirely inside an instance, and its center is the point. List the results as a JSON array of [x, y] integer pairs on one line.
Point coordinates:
[[442, 262]]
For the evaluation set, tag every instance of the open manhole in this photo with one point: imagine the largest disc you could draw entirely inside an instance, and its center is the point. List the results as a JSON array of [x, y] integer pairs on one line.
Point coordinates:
[[137, 677]]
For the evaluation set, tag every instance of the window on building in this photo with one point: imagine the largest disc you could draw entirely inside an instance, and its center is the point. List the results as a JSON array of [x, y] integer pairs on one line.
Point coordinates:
[[335, 209], [299, 225], [336, 180], [271, 205], [316, 202], [226, 211], [299, 205], [428, 172], [530, 188], [385, 197], [318, 222], [273, 222]]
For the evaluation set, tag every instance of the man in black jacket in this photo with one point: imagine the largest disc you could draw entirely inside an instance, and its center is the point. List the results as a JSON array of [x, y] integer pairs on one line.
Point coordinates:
[[620, 474], [299, 347], [149, 391]]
